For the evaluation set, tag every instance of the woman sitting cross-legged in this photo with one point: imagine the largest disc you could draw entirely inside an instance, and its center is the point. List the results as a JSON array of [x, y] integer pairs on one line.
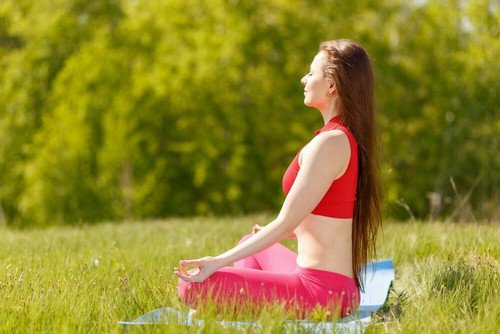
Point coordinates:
[[332, 206]]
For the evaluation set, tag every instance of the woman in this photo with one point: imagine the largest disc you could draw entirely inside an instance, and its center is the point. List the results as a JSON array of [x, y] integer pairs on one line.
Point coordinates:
[[332, 205]]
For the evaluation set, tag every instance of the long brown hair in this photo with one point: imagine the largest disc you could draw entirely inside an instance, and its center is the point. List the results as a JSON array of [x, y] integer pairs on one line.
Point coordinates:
[[348, 64]]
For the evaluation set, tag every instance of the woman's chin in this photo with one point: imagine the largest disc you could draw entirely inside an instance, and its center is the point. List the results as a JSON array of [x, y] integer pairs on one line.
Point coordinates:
[[308, 103]]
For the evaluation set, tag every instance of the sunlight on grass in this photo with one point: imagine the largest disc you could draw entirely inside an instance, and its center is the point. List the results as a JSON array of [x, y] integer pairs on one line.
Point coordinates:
[[86, 279]]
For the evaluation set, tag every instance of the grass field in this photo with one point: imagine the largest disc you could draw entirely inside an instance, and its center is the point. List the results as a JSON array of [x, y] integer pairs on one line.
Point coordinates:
[[85, 279]]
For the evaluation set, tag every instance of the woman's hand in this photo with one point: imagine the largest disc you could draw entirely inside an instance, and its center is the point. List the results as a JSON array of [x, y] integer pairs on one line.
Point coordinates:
[[197, 270], [256, 228]]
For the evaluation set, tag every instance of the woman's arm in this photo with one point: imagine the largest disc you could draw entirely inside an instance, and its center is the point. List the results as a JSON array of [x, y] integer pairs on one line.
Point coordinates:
[[256, 228], [322, 161]]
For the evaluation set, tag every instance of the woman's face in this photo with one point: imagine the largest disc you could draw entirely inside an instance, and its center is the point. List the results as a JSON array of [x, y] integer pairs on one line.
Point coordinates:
[[316, 86]]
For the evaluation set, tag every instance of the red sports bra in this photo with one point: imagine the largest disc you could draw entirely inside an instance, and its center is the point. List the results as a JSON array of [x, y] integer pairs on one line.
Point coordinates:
[[338, 201]]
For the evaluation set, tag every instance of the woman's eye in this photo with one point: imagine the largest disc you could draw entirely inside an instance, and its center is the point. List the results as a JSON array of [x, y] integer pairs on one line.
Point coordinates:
[[309, 74]]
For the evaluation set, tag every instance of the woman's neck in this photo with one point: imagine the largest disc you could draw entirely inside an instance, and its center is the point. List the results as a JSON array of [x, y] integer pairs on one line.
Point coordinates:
[[330, 110]]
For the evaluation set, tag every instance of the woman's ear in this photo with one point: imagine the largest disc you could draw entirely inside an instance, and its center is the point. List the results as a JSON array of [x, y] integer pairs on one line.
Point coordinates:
[[331, 90]]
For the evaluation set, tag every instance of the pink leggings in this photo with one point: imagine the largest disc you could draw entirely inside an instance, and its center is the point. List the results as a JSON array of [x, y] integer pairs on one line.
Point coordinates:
[[272, 276]]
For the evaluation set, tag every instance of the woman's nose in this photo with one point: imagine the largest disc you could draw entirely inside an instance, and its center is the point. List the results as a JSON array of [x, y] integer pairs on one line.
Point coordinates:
[[303, 80]]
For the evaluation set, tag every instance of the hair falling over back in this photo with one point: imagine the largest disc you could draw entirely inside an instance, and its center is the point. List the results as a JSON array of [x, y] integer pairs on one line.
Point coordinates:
[[348, 64]]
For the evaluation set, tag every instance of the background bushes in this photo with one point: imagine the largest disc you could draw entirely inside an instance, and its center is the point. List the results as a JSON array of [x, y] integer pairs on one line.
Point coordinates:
[[116, 109]]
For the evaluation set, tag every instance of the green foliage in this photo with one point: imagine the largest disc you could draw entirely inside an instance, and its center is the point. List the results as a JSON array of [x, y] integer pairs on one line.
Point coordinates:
[[117, 109], [444, 120]]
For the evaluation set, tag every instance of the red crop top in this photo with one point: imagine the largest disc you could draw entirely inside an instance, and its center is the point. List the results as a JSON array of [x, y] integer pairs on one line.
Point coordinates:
[[339, 200]]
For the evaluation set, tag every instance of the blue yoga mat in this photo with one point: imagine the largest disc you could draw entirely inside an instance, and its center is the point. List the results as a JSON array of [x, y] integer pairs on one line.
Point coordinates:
[[377, 281]]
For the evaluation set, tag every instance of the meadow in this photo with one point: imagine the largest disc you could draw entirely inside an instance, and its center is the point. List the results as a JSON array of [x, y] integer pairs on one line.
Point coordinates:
[[84, 279]]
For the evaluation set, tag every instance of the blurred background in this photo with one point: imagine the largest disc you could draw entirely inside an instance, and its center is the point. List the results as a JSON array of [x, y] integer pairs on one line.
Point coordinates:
[[143, 109]]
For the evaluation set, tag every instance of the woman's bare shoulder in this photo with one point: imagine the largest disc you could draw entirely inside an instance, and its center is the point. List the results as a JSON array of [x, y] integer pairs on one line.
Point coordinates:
[[334, 141]]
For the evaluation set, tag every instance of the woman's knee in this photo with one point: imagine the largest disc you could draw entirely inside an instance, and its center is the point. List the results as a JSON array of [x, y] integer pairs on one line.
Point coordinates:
[[182, 288], [190, 293], [245, 237], [187, 293]]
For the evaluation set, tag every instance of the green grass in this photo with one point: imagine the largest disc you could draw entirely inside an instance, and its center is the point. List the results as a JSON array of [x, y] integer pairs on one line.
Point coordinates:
[[85, 279]]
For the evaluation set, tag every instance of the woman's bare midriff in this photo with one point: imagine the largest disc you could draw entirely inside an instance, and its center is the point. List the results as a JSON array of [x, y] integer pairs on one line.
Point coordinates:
[[325, 243]]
